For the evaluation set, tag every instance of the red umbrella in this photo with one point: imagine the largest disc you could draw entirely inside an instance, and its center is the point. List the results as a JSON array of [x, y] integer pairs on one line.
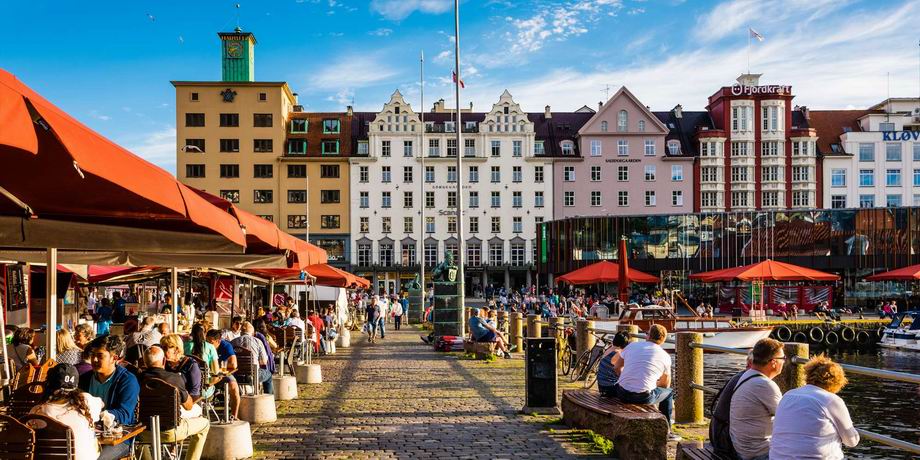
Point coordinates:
[[902, 274], [624, 272], [767, 270], [605, 272], [322, 274]]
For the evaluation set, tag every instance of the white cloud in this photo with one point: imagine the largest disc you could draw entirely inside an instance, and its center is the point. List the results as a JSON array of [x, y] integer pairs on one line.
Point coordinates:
[[157, 147], [95, 114], [353, 71], [381, 32], [444, 57], [343, 97], [397, 10], [735, 16], [557, 22]]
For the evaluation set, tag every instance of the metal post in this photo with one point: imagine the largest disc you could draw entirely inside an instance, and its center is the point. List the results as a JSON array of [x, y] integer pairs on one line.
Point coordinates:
[[174, 285], [517, 331], [460, 247], [533, 326], [584, 338], [235, 299], [227, 402], [793, 375], [688, 407], [420, 246], [50, 304]]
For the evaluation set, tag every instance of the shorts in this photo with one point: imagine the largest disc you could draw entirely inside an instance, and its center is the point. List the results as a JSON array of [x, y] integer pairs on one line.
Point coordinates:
[[488, 337]]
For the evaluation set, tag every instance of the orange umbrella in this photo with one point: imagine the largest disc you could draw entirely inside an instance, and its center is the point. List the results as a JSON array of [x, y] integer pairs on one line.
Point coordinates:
[[902, 274], [623, 286], [605, 272], [767, 270], [322, 275]]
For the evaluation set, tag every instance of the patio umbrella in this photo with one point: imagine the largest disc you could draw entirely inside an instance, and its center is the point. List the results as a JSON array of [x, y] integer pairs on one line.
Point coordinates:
[[318, 274], [605, 272], [623, 286], [901, 274], [767, 270]]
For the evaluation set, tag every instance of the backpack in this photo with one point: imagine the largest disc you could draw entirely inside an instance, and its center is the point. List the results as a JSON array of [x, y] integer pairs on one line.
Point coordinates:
[[719, 432]]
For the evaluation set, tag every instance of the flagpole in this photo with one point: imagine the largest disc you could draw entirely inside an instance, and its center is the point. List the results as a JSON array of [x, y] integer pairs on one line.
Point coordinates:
[[461, 304], [420, 247], [749, 52]]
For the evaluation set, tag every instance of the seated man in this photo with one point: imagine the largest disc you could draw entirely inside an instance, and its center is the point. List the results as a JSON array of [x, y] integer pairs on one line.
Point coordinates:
[[645, 374], [117, 387], [248, 341], [227, 357], [754, 401], [295, 320], [606, 377], [235, 327], [192, 425], [483, 331]]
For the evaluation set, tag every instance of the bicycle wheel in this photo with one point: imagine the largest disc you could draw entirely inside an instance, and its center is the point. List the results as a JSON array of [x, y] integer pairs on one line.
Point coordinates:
[[566, 360], [590, 373], [580, 365]]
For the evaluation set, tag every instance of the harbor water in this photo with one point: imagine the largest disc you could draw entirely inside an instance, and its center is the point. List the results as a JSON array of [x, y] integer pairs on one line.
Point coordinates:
[[880, 405]]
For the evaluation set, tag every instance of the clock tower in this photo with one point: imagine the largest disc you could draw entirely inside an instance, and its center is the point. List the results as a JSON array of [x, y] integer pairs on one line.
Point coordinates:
[[237, 55]]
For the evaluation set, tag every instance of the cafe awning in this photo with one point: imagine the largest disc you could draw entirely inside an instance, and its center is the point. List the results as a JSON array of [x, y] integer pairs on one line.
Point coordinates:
[[318, 274], [767, 270], [901, 274], [605, 272]]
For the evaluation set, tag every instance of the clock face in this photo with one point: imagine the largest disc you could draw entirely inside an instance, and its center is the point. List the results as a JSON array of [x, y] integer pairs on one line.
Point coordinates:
[[234, 49]]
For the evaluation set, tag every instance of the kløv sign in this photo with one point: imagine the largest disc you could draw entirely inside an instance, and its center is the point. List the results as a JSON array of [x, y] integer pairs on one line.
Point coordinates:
[[745, 90], [900, 135]]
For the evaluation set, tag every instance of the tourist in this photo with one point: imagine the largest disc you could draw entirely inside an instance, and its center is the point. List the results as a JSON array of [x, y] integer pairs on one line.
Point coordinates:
[[484, 332], [754, 402], [268, 342], [606, 377], [248, 341], [701, 310], [316, 337], [812, 421], [115, 385], [177, 362], [227, 357], [83, 334], [192, 425], [709, 311], [20, 349], [163, 328], [782, 310], [794, 311], [118, 308], [371, 314], [146, 335], [645, 374], [381, 321], [398, 314], [65, 403], [236, 324], [91, 301], [197, 345], [103, 317], [295, 320], [331, 331], [67, 351]]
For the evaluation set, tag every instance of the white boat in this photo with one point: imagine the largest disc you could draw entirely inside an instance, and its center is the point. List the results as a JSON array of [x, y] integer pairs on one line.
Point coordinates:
[[903, 333]]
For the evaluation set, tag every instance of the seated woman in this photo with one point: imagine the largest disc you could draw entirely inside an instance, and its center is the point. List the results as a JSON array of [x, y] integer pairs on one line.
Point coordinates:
[[198, 346], [482, 331], [20, 349], [606, 377], [67, 351], [64, 402], [177, 362], [812, 421]]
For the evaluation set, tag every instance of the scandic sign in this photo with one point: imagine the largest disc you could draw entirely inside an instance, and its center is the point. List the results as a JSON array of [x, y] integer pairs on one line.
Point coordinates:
[[738, 90], [900, 136]]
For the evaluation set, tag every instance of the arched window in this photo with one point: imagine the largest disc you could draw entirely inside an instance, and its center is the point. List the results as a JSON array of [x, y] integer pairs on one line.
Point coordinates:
[[622, 121], [603, 126]]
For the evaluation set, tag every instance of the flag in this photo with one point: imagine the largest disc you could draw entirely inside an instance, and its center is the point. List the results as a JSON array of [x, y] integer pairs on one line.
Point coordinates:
[[755, 34], [454, 75]]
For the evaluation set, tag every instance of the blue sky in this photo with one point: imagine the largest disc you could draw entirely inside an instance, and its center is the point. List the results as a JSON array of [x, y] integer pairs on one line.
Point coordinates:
[[109, 63]]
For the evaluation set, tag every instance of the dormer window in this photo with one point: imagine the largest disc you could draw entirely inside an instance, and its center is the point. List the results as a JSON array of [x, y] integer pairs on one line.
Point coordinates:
[[568, 148], [450, 127], [603, 126], [673, 148], [397, 109], [622, 121], [506, 109]]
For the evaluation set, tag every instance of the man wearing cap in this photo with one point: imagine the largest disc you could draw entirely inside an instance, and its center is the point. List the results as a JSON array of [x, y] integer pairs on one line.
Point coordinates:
[[115, 385], [62, 402]]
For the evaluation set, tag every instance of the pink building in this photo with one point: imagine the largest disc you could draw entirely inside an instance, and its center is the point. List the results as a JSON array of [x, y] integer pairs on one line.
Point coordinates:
[[630, 161]]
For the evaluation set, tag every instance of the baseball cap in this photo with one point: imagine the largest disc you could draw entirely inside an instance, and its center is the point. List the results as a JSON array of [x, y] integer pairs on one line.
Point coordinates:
[[64, 376]]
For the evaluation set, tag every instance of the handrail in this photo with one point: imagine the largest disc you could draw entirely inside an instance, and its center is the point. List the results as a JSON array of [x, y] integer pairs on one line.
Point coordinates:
[[704, 389], [888, 441], [880, 373]]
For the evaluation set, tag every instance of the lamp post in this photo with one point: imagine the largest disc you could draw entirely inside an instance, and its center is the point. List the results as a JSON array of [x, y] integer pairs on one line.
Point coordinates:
[[460, 276]]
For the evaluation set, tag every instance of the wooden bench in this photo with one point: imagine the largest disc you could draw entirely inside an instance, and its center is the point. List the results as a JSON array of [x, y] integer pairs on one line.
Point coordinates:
[[482, 350], [696, 450], [637, 431]]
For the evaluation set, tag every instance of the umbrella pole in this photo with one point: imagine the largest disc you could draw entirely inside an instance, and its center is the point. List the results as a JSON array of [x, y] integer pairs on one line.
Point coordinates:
[[5, 377], [50, 304], [174, 285]]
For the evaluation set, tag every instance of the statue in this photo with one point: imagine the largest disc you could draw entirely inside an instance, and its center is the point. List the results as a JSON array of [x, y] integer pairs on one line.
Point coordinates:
[[414, 285], [446, 271]]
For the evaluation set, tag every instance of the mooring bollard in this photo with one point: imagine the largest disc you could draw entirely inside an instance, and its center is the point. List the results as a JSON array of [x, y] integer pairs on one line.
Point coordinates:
[[688, 407], [584, 336], [793, 375], [629, 329], [558, 330], [533, 326], [517, 331], [503, 322]]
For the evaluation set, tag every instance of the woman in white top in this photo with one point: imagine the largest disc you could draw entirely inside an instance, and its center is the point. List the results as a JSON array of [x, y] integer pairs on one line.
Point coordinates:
[[812, 422], [65, 403]]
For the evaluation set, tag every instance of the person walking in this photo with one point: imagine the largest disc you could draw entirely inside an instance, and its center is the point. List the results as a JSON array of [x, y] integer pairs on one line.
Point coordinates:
[[372, 316], [383, 304], [398, 311]]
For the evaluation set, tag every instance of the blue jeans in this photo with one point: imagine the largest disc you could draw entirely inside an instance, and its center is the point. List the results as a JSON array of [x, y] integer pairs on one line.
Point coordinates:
[[664, 397], [381, 327], [115, 452], [266, 378]]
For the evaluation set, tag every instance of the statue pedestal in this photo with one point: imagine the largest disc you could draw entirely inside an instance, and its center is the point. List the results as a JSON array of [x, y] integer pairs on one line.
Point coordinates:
[[416, 307], [448, 314]]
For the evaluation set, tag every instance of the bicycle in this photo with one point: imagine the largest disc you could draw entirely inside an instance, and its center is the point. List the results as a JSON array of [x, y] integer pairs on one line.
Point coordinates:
[[568, 351], [588, 360]]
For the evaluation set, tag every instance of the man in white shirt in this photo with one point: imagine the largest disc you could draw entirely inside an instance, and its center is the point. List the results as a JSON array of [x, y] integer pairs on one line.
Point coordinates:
[[295, 320], [384, 303], [645, 374], [754, 401]]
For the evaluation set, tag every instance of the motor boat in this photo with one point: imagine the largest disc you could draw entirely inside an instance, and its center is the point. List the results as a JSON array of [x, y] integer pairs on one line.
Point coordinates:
[[903, 332]]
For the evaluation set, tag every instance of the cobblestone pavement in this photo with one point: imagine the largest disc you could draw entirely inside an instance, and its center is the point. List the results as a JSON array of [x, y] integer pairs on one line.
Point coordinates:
[[398, 399]]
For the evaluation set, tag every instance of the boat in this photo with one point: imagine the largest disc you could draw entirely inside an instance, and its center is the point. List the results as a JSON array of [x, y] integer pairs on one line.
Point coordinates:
[[903, 332], [718, 330]]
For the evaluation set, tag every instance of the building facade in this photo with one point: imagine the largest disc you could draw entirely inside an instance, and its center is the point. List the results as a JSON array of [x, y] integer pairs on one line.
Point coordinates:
[[871, 157], [759, 153]]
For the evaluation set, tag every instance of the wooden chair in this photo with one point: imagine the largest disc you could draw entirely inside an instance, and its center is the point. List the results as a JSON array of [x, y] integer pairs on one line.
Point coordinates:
[[206, 387], [53, 439], [135, 354], [24, 398], [28, 374], [247, 369], [17, 441], [160, 399], [292, 346]]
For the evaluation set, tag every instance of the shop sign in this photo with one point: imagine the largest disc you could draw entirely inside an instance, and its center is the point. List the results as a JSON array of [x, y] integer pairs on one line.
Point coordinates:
[[745, 90], [900, 136], [623, 160]]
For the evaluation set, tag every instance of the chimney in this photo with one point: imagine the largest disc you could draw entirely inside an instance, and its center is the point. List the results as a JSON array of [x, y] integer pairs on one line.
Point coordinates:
[[678, 111], [296, 101], [349, 111], [471, 106], [806, 113], [547, 113], [600, 105]]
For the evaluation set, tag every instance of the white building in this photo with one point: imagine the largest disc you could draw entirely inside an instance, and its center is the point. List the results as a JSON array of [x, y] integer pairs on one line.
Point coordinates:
[[507, 191], [871, 157]]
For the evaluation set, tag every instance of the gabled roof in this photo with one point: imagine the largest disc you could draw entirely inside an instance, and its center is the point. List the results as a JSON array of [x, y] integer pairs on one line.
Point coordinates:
[[831, 124], [561, 126], [684, 129], [623, 91]]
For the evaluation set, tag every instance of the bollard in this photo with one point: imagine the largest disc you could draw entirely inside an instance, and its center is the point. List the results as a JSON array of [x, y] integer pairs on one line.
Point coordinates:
[[793, 375], [584, 337], [469, 314], [688, 407], [533, 326], [517, 331], [503, 322], [557, 328], [629, 329]]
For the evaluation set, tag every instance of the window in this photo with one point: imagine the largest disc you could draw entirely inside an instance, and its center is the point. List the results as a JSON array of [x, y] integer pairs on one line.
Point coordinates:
[[496, 253], [739, 174], [452, 147], [866, 178], [297, 196], [709, 149], [769, 148], [330, 221], [474, 199], [595, 148], [451, 224], [451, 198], [892, 152], [739, 149], [496, 175], [385, 200], [538, 174], [228, 171], [893, 178], [386, 225], [650, 199], [649, 147], [708, 199], [331, 126], [769, 118], [429, 174], [641, 126], [262, 171], [364, 225], [595, 174], [408, 174], [496, 199], [262, 145], [677, 198], [568, 173], [516, 149], [917, 178], [516, 200], [622, 198], [622, 121], [741, 118], [568, 148], [193, 97], [866, 201], [409, 227], [408, 251], [298, 125], [603, 126], [801, 173], [516, 174], [474, 174], [739, 199], [262, 120], [263, 97], [362, 148], [595, 198], [297, 221], [838, 178], [886, 126], [429, 224], [385, 175], [232, 196], [297, 171], [677, 173], [517, 253], [408, 200], [229, 120], [364, 253], [451, 174], [450, 127], [710, 174], [431, 253], [429, 199], [434, 147], [769, 199], [384, 148], [407, 148], [469, 147], [363, 174], [474, 224], [538, 199], [229, 145], [838, 201], [330, 147], [193, 120], [622, 173], [622, 148], [194, 145], [496, 224], [917, 151], [867, 152], [649, 173], [386, 252], [800, 199], [473, 255], [364, 200], [538, 148], [893, 201], [297, 147], [568, 198], [673, 148]]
